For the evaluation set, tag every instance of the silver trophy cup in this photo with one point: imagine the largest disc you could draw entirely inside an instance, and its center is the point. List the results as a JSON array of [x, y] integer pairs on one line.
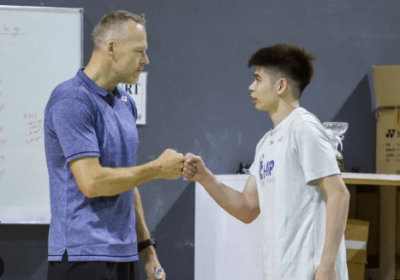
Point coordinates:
[[335, 131]]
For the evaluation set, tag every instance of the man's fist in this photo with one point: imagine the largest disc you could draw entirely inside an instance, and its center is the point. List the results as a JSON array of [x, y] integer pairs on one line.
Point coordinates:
[[171, 164]]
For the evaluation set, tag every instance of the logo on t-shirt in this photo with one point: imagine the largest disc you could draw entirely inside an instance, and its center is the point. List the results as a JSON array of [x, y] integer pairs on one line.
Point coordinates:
[[266, 168]]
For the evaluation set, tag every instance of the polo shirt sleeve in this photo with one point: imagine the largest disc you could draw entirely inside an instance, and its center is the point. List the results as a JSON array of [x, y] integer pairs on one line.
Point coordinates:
[[312, 146], [74, 125]]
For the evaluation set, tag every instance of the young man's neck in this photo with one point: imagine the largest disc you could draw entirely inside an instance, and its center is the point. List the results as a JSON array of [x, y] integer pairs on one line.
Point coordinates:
[[283, 111], [100, 73]]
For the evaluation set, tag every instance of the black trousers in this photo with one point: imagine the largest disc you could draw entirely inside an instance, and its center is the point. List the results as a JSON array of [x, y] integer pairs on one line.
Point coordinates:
[[66, 270]]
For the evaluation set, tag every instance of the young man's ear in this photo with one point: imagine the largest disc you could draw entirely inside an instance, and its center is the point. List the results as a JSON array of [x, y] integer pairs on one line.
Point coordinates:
[[282, 85]]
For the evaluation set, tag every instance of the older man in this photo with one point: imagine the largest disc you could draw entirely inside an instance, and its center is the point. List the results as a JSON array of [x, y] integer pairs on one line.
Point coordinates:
[[91, 142]]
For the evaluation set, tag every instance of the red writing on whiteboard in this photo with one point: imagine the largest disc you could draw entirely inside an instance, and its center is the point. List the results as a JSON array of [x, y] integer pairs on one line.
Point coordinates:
[[1, 107], [33, 128], [2, 157], [2, 173], [36, 123], [15, 31], [11, 31], [30, 115], [33, 139], [3, 142]]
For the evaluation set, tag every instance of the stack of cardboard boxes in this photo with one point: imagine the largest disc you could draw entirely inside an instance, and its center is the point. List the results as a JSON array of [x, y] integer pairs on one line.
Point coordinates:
[[356, 235], [387, 90]]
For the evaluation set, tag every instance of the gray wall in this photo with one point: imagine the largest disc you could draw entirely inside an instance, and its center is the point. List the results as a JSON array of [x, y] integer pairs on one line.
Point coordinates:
[[198, 99]]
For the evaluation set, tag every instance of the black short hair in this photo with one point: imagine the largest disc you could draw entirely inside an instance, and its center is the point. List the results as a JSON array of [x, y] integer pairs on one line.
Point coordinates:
[[289, 60]]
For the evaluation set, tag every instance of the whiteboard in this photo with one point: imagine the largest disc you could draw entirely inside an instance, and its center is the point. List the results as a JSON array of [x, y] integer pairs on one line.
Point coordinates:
[[225, 248], [40, 48]]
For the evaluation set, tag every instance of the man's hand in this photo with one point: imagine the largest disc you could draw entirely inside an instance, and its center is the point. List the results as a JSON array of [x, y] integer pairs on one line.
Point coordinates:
[[171, 164], [194, 168], [324, 273], [151, 263]]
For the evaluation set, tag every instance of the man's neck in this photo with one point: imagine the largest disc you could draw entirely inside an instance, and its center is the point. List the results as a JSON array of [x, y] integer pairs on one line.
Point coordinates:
[[100, 73], [283, 110]]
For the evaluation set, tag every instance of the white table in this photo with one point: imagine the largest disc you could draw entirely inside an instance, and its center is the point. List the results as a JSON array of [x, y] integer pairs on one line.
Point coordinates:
[[226, 248], [388, 183]]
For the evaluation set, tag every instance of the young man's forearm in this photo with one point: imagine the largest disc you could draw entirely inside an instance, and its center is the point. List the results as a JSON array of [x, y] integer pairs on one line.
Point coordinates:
[[336, 216], [230, 200]]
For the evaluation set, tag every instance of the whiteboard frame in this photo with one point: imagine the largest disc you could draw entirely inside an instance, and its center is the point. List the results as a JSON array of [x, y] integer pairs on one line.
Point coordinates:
[[81, 11]]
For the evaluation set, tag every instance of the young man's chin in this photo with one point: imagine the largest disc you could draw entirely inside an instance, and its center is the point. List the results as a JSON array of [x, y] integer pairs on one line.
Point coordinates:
[[258, 107]]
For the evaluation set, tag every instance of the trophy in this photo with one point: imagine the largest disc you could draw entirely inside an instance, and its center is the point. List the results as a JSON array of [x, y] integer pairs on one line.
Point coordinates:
[[335, 131]]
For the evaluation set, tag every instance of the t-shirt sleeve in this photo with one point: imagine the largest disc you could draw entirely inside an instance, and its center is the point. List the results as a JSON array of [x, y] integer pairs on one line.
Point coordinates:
[[254, 168], [74, 125], [312, 146]]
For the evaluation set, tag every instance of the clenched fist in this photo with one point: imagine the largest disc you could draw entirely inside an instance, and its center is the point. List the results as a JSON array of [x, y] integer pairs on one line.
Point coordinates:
[[194, 168], [171, 164]]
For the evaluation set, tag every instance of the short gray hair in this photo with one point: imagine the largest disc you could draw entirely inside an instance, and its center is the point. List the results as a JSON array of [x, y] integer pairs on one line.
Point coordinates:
[[113, 26]]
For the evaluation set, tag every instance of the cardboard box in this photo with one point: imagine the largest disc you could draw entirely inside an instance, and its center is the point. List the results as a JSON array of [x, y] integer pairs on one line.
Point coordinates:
[[398, 228], [398, 234], [356, 237], [368, 209], [387, 92]]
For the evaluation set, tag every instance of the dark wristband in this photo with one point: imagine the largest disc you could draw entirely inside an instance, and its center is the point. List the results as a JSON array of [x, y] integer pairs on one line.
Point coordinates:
[[144, 244]]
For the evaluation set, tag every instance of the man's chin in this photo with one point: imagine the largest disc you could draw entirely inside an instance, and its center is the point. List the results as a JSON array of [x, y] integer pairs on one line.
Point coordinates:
[[131, 80]]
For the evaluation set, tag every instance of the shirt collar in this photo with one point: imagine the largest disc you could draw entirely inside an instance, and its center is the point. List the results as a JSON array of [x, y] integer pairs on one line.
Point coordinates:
[[92, 85]]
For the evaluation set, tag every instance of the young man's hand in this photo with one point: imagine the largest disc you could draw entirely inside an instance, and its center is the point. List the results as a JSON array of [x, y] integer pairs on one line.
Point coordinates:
[[194, 168]]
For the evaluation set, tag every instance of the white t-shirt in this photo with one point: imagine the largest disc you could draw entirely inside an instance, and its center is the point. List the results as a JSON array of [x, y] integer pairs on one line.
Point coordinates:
[[287, 163]]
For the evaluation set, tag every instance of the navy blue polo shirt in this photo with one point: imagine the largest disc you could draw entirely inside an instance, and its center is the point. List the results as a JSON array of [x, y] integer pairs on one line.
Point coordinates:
[[83, 120]]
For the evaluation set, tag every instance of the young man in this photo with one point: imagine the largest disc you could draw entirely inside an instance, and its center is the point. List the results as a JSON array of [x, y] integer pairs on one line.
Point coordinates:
[[295, 182], [91, 142]]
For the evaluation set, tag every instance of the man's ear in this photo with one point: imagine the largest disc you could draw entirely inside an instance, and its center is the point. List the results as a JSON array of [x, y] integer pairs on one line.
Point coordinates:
[[111, 47]]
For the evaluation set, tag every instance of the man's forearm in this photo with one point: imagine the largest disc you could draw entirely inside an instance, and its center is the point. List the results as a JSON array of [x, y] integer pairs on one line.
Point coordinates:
[[336, 217], [113, 181], [142, 231], [230, 200], [141, 228]]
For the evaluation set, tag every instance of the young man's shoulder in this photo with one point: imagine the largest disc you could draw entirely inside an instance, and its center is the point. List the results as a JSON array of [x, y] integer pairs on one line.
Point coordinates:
[[304, 116]]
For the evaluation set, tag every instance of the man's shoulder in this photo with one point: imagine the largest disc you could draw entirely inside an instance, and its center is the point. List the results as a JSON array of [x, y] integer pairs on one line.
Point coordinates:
[[72, 89]]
